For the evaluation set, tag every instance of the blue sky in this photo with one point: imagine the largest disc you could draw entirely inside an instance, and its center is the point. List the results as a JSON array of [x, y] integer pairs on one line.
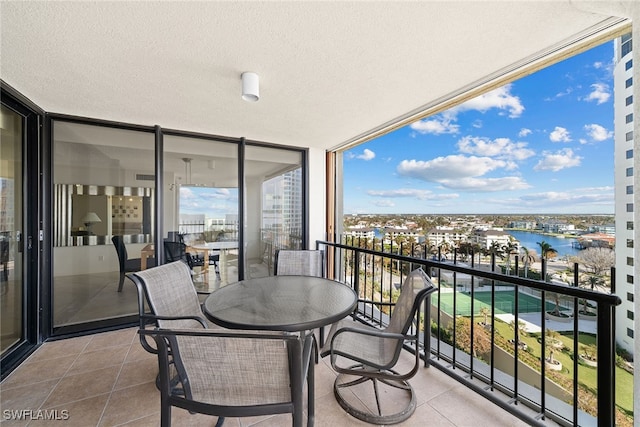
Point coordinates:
[[213, 202], [542, 144]]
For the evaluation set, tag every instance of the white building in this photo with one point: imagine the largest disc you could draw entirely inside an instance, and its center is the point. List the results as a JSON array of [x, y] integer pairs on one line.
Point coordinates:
[[626, 196], [439, 235], [361, 232], [485, 238]]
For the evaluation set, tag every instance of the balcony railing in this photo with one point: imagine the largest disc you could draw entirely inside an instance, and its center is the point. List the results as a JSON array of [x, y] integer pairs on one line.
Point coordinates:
[[497, 333]]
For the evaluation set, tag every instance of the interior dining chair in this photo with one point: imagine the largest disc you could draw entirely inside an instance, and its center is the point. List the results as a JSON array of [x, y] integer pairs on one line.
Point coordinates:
[[126, 264], [370, 354], [177, 251], [234, 373]]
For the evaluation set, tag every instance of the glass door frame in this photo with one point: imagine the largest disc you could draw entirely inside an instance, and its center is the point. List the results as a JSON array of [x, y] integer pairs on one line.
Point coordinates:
[[32, 226]]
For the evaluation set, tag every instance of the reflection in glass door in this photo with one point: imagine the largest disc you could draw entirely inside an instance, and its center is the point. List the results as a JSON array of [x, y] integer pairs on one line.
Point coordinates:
[[201, 208], [11, 220], [274, 189]]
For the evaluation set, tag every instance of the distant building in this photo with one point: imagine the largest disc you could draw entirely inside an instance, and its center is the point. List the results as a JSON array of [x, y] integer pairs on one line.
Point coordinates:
[[391, 233], [557, 227], [523, 225], [606, 229], [361, 232], [439, 235], [596, 240], [485, 238]]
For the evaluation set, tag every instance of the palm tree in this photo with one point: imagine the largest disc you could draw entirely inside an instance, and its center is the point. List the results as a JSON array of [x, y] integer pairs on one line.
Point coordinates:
[[546, 251], [592, 281], [495, 249], [508, 249], [485, 312], [528, 257]]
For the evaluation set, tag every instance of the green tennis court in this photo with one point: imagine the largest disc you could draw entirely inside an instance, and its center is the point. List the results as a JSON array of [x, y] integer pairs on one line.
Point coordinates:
[[504, 302]]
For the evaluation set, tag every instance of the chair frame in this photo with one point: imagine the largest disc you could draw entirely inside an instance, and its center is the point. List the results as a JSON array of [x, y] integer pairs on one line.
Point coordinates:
[[309, 251], [319, 253], [366, 370], [145, 319], [169, 353]]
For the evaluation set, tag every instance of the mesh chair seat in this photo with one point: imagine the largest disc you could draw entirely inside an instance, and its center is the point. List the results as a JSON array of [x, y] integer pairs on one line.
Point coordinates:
[[299, 263], [370, 354], [234, 373]]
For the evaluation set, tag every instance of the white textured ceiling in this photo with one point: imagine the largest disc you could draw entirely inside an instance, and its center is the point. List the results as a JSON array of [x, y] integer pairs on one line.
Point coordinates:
[[329, 71]]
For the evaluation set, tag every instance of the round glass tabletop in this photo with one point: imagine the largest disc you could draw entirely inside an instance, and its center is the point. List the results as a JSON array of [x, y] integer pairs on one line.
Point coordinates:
[[280, 303]]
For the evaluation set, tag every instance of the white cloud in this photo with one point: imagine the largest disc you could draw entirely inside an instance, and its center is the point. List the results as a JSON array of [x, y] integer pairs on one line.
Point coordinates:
[[560, 134], [444, 123], [449, 167], [566, 92], [383, 203], [502, 148], [366, 155], [600, 93], [437, 125], [557, 161], [572, 198], [500, 98], [411, 192], [460, 172], [597, 65], [524, 132], [508, 183], [598, 133]]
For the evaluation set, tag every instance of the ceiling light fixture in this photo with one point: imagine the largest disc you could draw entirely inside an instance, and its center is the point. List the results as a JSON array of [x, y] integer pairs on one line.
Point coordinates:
[[250, 87]]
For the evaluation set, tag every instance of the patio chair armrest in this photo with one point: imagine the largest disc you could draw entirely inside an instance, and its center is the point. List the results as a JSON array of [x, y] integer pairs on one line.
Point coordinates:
[[373, 333], [198, 319]]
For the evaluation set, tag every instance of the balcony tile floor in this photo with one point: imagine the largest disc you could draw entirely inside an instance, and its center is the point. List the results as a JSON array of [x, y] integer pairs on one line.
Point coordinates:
[[107, 379]]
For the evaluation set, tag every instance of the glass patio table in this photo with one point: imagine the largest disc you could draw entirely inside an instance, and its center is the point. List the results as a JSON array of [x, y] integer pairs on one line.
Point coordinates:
[[294, 304], [280, 303]]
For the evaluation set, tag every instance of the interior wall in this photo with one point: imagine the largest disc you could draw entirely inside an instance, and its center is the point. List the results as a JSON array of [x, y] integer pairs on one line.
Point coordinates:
[[317, 195]]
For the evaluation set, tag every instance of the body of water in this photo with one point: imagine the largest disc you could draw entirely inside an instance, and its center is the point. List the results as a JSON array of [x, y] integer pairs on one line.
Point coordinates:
[[530, 239]]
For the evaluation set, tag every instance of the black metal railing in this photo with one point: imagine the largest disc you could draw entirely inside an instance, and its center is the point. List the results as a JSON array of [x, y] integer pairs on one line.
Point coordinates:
[[509, 372]]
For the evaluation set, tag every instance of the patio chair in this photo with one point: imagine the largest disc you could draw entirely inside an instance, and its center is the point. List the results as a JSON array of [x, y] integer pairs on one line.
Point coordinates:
[[299, 263], [234, 374], [173, 302], [376, 352], [172, 299], [126, 264]]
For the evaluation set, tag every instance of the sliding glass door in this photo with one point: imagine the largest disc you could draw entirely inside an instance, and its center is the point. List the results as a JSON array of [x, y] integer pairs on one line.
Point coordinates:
[[103, 192], [19, 242]]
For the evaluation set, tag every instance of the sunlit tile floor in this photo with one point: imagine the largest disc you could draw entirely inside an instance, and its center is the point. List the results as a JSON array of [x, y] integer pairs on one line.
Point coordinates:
[[107, 379]]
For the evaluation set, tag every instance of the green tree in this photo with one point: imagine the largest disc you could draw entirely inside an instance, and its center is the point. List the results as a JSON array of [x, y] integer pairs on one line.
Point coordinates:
[[528, 257], [485, 313], [546, 251], [509, 249]]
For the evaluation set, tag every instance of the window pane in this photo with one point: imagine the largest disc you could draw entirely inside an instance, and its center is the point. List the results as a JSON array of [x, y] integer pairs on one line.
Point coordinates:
[[102, 188], [273, 180], [201, 206]]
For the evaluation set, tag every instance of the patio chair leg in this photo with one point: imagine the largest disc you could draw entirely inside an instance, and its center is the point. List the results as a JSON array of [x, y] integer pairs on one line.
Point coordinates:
[[121, 282], [220, 422]]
